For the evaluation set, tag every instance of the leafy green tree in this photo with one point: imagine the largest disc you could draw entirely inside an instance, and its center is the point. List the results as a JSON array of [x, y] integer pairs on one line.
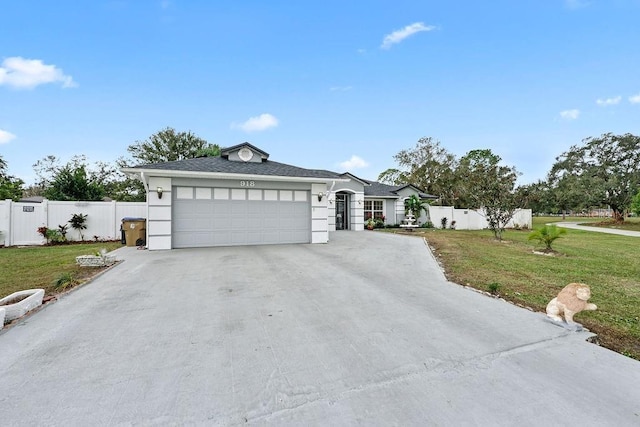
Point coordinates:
[[603, 171], [635, 204], [428, 166], [78, 180], [212, 150], [73, 183], [393, 176], [489, 186], [168, 145], [10, 186], [536, 196], [547, 235], [163, 146]]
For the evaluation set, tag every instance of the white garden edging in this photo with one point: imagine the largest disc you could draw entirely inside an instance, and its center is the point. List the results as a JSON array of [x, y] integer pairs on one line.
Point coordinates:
[[19, 309], [3, 313], [95, 260]]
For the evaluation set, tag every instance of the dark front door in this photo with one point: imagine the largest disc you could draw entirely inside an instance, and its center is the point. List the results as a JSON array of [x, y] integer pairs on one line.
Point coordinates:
[[342, 216]]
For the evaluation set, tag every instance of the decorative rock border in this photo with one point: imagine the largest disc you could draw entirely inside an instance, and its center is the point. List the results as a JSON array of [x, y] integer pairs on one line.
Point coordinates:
[[95, 260], [19, 309]]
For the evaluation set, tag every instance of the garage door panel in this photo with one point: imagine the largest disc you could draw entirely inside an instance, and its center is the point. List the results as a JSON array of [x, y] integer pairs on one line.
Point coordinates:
[[222, 221], [220, 238]]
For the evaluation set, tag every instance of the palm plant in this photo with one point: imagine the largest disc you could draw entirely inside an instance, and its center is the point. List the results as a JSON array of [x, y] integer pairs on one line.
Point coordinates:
[[79, 222], [414, 205], [547, 235]]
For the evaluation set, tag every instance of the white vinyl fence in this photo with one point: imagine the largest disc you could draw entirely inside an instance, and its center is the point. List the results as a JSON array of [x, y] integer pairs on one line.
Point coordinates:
[[470, 219], [19, 221]]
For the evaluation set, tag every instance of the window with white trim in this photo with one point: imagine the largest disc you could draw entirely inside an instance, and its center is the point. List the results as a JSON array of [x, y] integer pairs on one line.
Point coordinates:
[[373, 209]]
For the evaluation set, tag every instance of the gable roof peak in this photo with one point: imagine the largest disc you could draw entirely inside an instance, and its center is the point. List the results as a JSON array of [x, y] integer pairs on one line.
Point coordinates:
[[225, 152]]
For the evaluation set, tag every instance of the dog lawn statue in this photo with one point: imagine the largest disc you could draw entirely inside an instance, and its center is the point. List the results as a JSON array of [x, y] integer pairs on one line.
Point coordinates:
[[570, 301]]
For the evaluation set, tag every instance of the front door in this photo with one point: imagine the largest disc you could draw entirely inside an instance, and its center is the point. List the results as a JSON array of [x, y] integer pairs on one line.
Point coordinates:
[[342, 217]]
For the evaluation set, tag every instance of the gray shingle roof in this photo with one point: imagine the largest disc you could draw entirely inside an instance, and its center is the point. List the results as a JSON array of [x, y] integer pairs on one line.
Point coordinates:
[[221, 165], [377, 189]]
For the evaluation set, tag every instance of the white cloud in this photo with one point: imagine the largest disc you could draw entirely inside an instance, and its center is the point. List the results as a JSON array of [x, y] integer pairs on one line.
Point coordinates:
[[635, 99], [399, 35], [354, 162], [609, 101], [24, 73], [570, 114], [256, 124], [340, 88], [5, 136]]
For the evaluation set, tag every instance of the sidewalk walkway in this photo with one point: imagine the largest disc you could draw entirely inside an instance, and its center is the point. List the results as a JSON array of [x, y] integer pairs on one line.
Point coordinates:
[[575, 226]]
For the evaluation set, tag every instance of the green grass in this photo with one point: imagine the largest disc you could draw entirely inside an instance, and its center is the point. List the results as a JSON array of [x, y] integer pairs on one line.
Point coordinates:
[[632, 223], [608, 263], [41, 266]]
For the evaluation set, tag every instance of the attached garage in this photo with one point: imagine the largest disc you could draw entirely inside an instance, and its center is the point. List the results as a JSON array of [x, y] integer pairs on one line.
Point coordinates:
[[204, 216], [238, 198]]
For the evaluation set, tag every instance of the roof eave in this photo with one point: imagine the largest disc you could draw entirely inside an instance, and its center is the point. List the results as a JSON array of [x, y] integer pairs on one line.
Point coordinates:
[[225, 175]]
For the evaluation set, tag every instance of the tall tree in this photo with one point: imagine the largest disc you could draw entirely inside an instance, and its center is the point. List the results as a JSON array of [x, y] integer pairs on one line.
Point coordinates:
[[78, 180], [427, 166], [10, 186], [163, 146], [489, 186], [536, 196], [168, 145], [73, 183], [606, 170], [635, 204]]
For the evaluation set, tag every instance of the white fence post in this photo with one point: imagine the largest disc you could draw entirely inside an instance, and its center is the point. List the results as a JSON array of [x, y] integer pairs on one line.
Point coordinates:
[[5, 222]]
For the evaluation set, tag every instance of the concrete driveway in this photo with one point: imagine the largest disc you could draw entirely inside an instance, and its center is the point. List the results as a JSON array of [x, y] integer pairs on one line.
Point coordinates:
[[364, 330]]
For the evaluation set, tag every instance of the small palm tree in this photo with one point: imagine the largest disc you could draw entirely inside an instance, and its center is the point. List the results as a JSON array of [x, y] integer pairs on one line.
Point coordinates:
[[79, 222], [547, 235], [414, 205]]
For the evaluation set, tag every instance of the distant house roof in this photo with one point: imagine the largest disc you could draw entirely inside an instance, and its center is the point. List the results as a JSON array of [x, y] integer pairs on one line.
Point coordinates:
[[377, 189], [32, 199]]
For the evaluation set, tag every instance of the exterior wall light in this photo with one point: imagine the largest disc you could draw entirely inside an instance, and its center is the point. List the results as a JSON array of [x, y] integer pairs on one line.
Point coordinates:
[[159, 190], [320, 196]]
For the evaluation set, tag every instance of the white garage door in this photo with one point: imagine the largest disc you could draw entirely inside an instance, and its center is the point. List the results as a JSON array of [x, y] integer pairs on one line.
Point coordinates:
[[205, 216]]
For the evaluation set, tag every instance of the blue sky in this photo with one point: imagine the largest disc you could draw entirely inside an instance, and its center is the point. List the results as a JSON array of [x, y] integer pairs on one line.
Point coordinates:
[[329, 85]]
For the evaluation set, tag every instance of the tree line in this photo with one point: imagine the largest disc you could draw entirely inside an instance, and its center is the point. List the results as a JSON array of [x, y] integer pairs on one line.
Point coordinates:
[[602, 172], [79, 180]]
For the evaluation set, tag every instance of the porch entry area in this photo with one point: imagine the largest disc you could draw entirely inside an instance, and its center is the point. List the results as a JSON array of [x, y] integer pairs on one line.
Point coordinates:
[[342, 211]]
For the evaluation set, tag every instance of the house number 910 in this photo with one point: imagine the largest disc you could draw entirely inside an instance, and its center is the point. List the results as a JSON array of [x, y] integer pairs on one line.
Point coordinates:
[[247, 183]]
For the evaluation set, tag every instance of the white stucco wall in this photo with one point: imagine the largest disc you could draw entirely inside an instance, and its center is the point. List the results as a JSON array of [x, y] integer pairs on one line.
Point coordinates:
[[159, 214]]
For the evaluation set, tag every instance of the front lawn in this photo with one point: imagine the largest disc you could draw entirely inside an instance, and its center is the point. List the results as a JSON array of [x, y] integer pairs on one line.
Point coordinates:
[[40, 266], [608, 263]]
